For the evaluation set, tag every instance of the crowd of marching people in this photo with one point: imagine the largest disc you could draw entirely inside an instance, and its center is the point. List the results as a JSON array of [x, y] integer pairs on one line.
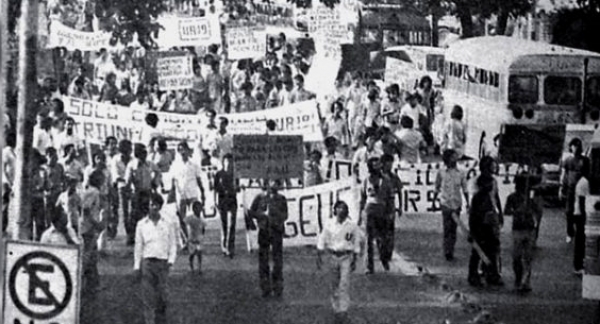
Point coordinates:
[[82, 194]]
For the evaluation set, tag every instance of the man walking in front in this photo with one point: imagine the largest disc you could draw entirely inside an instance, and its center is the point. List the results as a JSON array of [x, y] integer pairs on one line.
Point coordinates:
[[270, 210], [154, 254]]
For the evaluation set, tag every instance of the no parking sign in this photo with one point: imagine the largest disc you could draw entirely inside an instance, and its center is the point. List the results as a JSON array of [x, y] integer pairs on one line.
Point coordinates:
[[41, 283]]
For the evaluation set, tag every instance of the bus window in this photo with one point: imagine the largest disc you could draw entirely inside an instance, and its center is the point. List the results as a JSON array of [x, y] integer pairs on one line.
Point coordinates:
[[434, 62], [592, 95], [522, 89], [562, 90]]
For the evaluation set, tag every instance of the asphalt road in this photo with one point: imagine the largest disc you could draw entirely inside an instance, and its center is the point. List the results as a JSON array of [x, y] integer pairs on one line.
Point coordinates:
[[421, 288]]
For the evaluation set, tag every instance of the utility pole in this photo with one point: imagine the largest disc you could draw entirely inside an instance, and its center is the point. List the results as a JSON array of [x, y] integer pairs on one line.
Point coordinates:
[[4, 53], [27, 85]]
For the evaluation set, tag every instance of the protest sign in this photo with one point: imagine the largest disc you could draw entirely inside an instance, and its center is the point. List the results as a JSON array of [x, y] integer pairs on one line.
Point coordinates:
[[333, 25], [174, 73], [246, 42], [96, 121], [72, 39], [197, 31], [323, 72], [268, 156]]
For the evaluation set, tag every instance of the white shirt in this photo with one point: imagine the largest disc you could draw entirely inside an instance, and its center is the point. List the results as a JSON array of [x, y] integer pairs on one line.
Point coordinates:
[[361, 156], [224, 143], [186, 175], [117, 169], [41, 140], [208, 139], [582, 189], [340, 237], [413, 113], [62, 139], [52, 236], [9, 160], [154, 241], [137, 105]]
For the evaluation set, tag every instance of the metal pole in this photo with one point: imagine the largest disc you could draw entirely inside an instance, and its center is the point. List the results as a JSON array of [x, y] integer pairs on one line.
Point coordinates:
[[25, 115]]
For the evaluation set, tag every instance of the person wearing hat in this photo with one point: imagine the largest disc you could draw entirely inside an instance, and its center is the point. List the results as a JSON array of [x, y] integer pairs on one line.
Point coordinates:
[[413, 108]]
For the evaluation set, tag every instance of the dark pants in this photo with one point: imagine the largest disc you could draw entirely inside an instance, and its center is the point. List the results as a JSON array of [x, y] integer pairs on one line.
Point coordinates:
[[579, 246], [154, 290], [113, 221], [140, 204], [488, 239], [91, 277], [228, 212], [569, 209], [123, 208], [377, 230], [270, 240], [38, 215], [50, 205], [388, 237], [523, 242], [449, 230]]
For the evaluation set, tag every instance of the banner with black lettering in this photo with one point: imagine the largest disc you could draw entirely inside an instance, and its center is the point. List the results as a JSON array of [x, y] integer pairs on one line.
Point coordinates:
[[174, 73], [72, 39], [96, 121]]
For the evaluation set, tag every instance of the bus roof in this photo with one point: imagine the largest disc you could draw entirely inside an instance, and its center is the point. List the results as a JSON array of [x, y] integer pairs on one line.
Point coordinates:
[[500, 53], [424, 49]]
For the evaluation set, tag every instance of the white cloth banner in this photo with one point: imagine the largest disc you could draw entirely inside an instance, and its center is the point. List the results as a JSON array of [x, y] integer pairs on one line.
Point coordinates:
[[246, 42], [96, 121], [323, 72], [174, 73], [179, 32], [72, 39]]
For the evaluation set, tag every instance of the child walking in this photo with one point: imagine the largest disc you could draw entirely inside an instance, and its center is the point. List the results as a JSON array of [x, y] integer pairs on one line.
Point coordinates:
[[526, 211], [196, 226], [449, 185]]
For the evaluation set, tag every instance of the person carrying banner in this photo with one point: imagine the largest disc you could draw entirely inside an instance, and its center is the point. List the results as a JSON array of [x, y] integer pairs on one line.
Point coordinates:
[[376, 204], [341, 239], [270, 210]]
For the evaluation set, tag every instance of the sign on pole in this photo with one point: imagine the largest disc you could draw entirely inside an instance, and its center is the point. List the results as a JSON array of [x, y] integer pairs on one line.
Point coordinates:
[[268, 156], [174, 73], [41, 283]]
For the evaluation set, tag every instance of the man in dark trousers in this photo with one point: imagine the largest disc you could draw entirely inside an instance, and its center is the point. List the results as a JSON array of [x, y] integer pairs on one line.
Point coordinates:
[[270, 210], [227, 204], [387, 162], [376, 204]]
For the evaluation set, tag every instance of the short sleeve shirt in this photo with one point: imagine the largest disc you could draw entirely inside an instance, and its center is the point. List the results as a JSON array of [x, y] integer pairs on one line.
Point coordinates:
[[582, 189]]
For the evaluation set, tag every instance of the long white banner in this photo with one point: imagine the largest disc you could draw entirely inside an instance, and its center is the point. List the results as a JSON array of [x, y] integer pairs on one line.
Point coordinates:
[[72, 39], [96, 121]]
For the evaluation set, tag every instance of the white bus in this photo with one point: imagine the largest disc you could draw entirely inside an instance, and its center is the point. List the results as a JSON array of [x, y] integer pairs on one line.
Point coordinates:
[[415, 62], [500, 80]]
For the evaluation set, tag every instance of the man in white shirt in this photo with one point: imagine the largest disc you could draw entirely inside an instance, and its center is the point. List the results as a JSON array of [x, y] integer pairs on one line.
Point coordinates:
[[121, 202], [68, 136], [341, 238], [187, 181], [41, 134], [224, 140], [207, 136], [154, 253]]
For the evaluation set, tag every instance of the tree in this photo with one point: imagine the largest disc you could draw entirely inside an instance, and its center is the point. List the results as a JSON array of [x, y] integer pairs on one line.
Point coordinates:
[[126, 18], [576, 28], [503, 9]]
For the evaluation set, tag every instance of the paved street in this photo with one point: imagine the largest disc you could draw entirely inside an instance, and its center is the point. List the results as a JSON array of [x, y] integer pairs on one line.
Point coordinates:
[[227, 291]]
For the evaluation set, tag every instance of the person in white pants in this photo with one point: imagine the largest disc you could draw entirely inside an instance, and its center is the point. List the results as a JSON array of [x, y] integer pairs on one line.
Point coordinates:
[[341, 239]]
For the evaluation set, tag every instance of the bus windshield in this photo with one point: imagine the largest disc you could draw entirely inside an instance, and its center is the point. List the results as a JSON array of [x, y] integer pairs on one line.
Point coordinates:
[[592, 95], [434, 62], [562, 90], [522, 89]]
